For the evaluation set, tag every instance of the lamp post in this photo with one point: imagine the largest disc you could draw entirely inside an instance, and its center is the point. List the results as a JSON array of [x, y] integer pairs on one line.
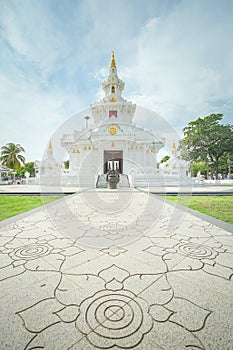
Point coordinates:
[[207, 167], [87, 118], [13, 173]]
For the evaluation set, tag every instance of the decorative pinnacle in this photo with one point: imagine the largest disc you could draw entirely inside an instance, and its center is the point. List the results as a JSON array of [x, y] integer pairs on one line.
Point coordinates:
[[50, 144], [113, 63], [173, 145]]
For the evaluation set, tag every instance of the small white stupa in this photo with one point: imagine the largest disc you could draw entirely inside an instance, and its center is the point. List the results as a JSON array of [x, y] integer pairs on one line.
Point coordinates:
[[174, 165]]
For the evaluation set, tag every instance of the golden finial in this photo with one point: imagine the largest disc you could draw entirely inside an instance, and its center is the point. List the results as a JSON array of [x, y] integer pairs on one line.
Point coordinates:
[[173, 148], [113, 63], [50, 144]]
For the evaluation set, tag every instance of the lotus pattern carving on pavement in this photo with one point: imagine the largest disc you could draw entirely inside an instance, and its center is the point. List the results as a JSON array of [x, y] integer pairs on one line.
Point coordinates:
[[207, 254], [112, 308]]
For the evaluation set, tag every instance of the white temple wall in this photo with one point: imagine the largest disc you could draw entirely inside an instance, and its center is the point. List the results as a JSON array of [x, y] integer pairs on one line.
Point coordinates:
[[91, 157]]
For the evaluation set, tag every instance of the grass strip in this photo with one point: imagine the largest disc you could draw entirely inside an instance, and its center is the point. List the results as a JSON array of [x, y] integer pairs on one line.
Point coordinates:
[[220, 207], [14, 205]]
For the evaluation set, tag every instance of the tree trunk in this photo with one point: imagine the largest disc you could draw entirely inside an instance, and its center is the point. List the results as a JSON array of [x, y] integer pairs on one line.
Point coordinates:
[[216, 168]]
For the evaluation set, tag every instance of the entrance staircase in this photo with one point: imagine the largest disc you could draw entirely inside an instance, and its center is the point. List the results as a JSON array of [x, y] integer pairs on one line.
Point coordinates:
[[160, 180], [101, 181], [124, 181]]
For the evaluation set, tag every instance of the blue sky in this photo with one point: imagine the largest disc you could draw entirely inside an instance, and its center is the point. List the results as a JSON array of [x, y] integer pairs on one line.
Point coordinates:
[[175, 56]]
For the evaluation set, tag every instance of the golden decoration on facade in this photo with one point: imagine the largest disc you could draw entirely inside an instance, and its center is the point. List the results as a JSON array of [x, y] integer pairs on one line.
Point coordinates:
[[113, 99], [113, 144], [173, 148], [112, 130]]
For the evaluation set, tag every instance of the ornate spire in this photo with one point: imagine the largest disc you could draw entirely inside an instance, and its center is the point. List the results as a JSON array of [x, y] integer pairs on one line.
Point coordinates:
[[113, 86], [113, 62]]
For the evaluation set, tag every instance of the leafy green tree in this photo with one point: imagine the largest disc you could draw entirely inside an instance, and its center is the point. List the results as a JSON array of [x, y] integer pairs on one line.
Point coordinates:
[[164, 159], [11, 155], [28, 167], [206, 140], [66, 164], [225, 163], [196, 167]]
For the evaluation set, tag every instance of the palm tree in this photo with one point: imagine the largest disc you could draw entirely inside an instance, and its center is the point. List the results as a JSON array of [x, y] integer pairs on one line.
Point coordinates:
[[11, 157]]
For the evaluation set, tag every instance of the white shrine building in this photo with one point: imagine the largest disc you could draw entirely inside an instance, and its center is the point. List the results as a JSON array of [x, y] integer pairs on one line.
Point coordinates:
[[112, 142]]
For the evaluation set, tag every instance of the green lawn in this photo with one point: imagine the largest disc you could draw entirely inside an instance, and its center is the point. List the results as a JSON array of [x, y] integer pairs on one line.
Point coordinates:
[[13, 205], [220, 207]]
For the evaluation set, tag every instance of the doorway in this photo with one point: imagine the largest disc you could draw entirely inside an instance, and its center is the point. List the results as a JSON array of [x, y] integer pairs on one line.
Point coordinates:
[[113, 160]]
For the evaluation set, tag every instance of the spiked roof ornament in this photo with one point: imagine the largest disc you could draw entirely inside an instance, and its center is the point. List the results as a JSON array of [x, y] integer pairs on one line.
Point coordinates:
[[113, 62]]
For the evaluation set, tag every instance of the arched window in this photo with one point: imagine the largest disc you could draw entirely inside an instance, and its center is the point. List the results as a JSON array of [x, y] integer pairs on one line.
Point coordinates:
[[113, 89]]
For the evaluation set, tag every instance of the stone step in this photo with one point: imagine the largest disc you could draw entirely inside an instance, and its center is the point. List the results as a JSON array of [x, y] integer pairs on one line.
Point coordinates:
[[160, 180], [124, 181], [101, 181]]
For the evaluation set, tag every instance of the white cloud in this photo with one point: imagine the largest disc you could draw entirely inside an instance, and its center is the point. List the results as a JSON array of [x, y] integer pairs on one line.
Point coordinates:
[[30, 115], [184, 62], [31, 32], [176, 58]]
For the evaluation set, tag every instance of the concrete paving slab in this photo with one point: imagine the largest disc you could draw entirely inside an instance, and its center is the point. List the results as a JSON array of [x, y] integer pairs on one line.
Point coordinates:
[[115, 270]]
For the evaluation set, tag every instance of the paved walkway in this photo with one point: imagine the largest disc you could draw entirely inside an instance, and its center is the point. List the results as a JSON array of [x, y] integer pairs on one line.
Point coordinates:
[[115, 269]]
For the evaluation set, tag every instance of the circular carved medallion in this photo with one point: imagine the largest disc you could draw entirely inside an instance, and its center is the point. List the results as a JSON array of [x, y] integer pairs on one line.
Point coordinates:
[[112, 130]]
